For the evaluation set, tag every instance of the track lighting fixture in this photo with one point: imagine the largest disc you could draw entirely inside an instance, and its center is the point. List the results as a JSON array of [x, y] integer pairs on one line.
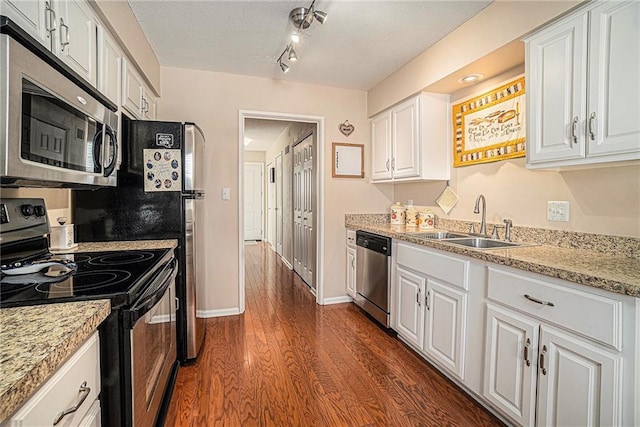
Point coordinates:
[[301, 18]]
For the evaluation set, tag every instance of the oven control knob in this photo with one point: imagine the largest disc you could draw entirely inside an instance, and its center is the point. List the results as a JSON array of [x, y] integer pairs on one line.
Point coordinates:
[[27, 210], [39, 210]]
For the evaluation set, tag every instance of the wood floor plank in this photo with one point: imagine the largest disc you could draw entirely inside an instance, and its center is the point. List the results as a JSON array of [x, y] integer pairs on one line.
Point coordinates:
[[287, 361]]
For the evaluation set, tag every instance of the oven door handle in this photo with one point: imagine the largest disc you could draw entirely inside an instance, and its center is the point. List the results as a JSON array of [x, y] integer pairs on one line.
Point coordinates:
[[155, 293]]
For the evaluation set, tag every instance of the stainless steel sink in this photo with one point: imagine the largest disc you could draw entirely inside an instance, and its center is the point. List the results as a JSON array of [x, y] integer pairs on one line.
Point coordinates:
[[482, 243], [437, 235]]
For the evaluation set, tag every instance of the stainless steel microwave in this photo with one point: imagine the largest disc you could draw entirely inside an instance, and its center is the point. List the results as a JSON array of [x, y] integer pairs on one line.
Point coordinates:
[[53, 133]]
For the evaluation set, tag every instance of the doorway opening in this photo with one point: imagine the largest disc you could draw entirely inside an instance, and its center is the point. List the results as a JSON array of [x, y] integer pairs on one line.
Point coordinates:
[[292, 177]]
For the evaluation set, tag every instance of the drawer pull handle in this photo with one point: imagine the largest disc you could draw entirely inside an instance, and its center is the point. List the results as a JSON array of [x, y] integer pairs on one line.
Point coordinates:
[[84, 392], [426, 300], [539, 301], [418, 297], [574, 126], [526, 352]]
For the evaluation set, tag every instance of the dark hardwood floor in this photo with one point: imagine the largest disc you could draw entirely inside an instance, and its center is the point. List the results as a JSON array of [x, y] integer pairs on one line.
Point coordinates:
[[289, 362]]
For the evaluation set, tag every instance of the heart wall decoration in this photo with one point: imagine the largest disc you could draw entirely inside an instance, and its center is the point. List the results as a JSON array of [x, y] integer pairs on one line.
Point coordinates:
[[346, 128]]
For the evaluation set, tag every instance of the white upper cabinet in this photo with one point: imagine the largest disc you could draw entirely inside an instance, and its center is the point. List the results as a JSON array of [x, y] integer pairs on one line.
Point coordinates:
[[583, 90], [76, 38], [110, 59], [410, 140], [136, 98], [30, 16], [66, 27]]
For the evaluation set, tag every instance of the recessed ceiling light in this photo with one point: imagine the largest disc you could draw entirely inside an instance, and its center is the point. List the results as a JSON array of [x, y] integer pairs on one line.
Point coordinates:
[[247, 141], [470, 78], [295, 38]]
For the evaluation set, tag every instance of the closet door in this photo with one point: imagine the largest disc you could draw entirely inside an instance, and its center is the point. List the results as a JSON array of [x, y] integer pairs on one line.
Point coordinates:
[[304, 207]]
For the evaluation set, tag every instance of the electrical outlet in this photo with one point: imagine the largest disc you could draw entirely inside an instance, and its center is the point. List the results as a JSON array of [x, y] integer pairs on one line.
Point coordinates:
[[557, 211], [226, 193]]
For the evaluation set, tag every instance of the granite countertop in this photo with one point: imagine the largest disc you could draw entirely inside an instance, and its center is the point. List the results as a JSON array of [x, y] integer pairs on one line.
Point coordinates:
[[600, 270], [36, 340], [120, 246]]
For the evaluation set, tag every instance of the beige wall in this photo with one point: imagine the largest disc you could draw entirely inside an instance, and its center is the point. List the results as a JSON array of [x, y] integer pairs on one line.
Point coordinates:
[[494, 27], [604, 200], [213, 100], [254, 156]]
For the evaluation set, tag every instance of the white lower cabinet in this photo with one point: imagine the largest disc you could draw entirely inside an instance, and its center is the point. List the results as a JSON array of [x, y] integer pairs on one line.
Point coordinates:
[[554, 353], [445, 330], [410, 319], [431, 297], [351, 264], [73, 388]]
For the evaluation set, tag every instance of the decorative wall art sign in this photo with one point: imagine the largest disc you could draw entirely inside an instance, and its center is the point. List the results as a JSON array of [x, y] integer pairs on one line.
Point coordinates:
[[346, 128], [490, 127], [348, 160], [162, 170]]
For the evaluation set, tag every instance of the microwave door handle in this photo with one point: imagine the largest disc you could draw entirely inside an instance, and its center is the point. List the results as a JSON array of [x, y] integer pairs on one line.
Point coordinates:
[[97, 151], [108, 169]]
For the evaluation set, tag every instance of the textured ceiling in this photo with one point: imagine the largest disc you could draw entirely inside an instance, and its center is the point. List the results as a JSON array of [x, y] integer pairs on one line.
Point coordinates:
[[360, 44]]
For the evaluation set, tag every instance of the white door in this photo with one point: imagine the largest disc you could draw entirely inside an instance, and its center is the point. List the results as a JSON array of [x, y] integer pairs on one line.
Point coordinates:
[[614, 87], [405, 125], [381, 147], [279, 233], [578, 384], [410, 323], [76, 42], [556, 92], [510, 364], [446, 326], [253, 201], [351, 271], [271, 207]]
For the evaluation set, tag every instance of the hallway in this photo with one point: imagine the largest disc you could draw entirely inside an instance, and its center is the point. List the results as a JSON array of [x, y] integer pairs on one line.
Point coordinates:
[[290, 362]]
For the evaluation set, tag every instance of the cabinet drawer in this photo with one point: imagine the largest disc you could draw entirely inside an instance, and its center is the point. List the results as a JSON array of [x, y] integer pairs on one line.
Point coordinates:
[[61, 391], [452, 270], [590, 315]]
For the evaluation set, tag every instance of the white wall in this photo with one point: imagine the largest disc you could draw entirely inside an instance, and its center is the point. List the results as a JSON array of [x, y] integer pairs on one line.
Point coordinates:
[[213, 100]]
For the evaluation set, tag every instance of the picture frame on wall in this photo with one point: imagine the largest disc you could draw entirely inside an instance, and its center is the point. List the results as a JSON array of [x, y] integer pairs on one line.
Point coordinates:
[[490, 127], [348, 160]]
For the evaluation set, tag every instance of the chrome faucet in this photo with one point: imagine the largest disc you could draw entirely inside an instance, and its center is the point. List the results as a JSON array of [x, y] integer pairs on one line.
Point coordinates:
[[483, 224]]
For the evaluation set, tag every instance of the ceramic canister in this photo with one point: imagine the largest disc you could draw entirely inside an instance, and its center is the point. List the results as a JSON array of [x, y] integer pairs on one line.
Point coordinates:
[[62, 236], [413, 218], [398, 214], [428, 220]]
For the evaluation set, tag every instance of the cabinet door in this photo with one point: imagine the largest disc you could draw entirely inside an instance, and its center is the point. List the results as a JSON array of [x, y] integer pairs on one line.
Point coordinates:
[[510, 364], [76, 39], [30, 15], [132, 88], [109, 66], [556, 71], [351, 272], [446, 326], [405, 126], [578, 384], [381, 147], [614, 87], [410, 323]]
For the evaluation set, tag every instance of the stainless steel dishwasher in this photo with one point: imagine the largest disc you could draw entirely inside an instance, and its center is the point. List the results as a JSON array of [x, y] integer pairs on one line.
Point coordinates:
[[372, 275]]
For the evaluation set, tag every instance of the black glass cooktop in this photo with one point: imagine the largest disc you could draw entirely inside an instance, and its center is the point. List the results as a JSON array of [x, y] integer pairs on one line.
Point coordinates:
[[118, 276]]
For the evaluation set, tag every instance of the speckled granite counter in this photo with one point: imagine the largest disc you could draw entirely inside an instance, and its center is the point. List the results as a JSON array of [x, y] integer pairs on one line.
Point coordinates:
[[607, 271], [36, 340], [121, 246]]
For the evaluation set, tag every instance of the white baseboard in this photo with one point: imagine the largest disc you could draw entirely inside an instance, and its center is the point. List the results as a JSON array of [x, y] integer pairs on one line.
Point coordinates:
[[336, 300], [287, 263], [218, 312]]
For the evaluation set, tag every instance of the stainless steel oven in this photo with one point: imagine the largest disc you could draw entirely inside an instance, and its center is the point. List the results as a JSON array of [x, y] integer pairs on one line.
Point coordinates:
[[53, 133], [153, 346]]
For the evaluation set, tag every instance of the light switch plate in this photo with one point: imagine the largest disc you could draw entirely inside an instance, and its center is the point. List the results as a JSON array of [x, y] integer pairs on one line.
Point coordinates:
[[226, 193], [558, 211]]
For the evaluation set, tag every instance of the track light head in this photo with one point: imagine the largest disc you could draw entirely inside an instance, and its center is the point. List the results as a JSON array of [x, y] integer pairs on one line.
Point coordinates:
[[293, 57], [284, 67], [299, 17], [320, 16]]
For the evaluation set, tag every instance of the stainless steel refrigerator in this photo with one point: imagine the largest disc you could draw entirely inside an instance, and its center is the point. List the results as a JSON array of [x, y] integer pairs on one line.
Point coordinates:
[[159, 196]]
